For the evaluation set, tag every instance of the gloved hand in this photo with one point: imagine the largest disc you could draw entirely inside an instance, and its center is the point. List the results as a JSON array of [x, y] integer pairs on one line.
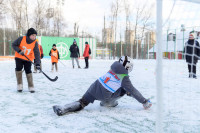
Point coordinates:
[[147, 104], [38, 67], [42, 55], [21, 52]]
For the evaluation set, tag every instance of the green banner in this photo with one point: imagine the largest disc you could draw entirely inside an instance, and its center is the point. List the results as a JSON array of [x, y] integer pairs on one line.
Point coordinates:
[[62, 43]]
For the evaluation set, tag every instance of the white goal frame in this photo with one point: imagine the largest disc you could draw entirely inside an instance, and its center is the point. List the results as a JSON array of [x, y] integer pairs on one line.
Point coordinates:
[[159, 71]]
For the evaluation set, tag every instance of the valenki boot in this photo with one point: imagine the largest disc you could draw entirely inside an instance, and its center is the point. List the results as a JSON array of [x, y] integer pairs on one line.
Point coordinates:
[[19, 81], [30, 82]]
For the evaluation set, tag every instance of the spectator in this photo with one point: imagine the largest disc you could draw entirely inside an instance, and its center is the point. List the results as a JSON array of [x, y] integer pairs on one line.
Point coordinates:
[[86, 54], [74, 53], [192, 52]]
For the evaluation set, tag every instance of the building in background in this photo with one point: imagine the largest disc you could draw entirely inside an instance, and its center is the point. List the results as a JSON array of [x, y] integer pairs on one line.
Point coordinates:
[[150, 38], [129, 36], [107, 36]]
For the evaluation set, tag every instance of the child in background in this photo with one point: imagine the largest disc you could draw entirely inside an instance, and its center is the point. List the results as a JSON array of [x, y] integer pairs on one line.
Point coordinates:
[[54, 57]]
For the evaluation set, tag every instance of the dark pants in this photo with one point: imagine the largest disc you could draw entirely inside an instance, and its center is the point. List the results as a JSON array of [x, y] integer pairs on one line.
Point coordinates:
[[22, 63], [86, 62], [192, 68], [88, 98]]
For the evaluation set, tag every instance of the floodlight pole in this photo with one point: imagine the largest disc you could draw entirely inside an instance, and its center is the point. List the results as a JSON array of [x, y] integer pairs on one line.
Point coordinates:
[[159, 87]]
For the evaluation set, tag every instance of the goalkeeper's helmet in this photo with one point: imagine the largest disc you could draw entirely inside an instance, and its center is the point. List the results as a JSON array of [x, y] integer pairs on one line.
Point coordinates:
[[127, 63]]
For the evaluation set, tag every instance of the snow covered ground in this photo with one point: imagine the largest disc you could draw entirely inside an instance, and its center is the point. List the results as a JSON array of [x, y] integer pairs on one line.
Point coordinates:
[[32, 113]]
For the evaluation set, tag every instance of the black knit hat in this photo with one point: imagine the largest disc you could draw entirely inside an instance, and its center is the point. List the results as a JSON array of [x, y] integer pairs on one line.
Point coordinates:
[[86, 42], [31, 31], [54, 45]]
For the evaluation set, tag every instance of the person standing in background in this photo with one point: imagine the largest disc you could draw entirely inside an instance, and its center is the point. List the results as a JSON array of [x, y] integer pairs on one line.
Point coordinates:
[[192, 53], [86, 54], [54, 57], [75, 54]]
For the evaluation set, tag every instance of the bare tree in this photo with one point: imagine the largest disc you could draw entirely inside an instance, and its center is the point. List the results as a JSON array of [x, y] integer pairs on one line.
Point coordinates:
[[116, 11], [127, 31], [40, 15], [26, 14], [49, 16], [76, 28], [110, 31], [16, 8], [142, 16], [2, 9]]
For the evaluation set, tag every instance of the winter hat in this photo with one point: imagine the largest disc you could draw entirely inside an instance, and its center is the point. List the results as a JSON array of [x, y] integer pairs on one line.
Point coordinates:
[[86, 42], [54, 45], [31, 31], [191, 36]]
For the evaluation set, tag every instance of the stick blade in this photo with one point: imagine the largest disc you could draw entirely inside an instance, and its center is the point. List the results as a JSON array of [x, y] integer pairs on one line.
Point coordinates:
[[54, 79]]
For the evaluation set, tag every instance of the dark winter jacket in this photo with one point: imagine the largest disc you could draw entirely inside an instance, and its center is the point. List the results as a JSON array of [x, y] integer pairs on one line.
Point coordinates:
[[54, 50], [192, 51], [98, 92], [74, 51], [17, 42]]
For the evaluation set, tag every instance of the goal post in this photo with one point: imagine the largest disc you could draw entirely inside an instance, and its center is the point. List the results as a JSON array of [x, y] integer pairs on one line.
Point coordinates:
[[159, 65]]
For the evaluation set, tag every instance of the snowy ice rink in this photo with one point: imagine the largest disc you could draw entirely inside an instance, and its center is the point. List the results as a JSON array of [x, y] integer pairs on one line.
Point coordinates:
[[32, 113]]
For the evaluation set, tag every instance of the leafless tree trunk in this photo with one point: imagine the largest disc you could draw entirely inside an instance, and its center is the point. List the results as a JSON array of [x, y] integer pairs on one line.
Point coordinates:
[[40, 15], [16, 8], [127, 12], [2, 9], [112, 19], [116, 10], [26, 10]]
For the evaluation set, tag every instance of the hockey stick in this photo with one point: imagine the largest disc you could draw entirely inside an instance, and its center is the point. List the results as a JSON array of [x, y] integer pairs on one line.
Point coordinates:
[[59, 60], [42, 71]]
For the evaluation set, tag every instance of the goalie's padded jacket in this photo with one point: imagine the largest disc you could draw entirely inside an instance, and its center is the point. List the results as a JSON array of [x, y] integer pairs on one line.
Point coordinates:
[[110, 86]]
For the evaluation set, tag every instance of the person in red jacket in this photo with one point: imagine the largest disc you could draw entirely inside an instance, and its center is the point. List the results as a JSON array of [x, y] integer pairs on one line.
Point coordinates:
[[41, 56], [86, 54]]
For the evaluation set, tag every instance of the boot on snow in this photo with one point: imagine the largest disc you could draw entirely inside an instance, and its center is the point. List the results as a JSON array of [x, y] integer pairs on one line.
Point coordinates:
[[19, 81], [30, 82], [72, 107]]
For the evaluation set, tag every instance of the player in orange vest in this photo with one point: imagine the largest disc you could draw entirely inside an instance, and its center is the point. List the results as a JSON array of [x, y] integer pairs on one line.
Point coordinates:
[[54, 57], [26, 45], [41, 56]]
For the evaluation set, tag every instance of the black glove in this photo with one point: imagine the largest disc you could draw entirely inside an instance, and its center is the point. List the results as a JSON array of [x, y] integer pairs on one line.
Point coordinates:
[[42, 56], [37, 67], [21, 52]]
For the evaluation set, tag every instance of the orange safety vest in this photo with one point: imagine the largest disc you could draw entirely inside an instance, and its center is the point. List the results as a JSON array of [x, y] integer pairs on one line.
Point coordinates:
[[54, 56], [27, 48]]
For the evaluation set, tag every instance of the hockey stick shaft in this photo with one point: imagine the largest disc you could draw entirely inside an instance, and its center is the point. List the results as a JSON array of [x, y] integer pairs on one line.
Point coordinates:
[[42, 71], [59, 61]]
